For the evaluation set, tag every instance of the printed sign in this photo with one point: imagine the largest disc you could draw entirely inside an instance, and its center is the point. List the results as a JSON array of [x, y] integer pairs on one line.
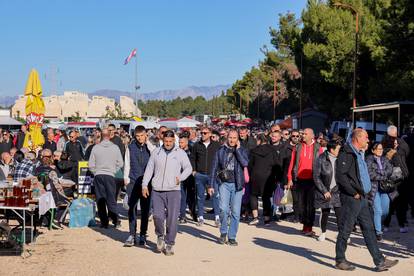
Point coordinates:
[[85, 178]]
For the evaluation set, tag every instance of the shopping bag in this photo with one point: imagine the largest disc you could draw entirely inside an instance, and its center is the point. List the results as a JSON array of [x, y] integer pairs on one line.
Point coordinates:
[[125, 202], [246, 175], [82, 213], [287, 198], [277, 195]]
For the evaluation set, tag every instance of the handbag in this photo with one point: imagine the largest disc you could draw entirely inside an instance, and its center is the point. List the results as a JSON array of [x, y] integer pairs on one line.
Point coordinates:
[[225, 175], [390, 184], [278, 195]]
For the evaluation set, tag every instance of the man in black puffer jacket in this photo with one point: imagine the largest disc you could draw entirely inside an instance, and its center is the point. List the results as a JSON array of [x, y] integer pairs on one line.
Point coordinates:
[[202, 156]]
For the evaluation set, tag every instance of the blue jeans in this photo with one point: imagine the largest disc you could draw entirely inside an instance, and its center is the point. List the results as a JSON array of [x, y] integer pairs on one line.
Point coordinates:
[[229, 199], [201, 181], [381, 208]]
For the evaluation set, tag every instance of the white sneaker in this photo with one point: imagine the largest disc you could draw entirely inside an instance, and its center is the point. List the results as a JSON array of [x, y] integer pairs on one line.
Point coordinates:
[[217, 221], [200, 221], [321, 238], [403, 230]]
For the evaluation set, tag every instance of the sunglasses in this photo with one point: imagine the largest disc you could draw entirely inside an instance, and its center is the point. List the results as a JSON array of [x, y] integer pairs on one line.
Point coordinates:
[[72, 137], [47, 156], [205, 133], [295, 136]]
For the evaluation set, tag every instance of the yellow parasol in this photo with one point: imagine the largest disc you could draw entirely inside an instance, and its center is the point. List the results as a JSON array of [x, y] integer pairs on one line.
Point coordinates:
[[35, 112]]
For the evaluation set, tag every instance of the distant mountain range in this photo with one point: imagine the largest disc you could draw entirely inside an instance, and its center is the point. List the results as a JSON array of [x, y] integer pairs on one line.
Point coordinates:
[[207, 92]]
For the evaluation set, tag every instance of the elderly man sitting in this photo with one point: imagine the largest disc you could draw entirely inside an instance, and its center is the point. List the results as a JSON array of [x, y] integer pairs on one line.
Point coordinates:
[[5, 162]]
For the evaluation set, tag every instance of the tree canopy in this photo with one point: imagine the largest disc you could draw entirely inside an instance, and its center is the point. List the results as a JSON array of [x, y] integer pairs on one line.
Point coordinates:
[[319, 47]]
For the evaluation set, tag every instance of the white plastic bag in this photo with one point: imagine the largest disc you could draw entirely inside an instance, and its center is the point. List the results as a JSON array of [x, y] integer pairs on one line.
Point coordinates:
[[125, 202], [287, 198]]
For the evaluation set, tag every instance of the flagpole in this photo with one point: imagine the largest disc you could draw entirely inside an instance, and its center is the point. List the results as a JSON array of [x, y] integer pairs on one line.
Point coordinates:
[[136, 85]]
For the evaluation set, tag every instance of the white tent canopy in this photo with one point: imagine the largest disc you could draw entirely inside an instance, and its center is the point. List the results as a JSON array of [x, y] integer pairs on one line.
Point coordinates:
[[146, 124], [187, 122], [182, 123], [169, 124], [8, 121]]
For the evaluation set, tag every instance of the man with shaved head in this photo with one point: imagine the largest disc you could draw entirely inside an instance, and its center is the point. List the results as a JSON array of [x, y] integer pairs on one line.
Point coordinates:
[[300, 178], [354, 184], [105, 161]]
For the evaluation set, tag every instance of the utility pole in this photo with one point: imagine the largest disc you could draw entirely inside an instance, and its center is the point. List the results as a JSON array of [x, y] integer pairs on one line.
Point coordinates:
[[300, 93]]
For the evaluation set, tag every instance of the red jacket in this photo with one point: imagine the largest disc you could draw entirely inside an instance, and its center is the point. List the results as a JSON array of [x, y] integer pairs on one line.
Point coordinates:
[[305, 162]]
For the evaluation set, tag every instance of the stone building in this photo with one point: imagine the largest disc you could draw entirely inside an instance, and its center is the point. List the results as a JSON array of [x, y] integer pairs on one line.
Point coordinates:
[[74, 103]]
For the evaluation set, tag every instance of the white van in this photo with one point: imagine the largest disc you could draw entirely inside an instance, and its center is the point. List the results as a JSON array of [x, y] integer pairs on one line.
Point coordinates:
[[344, 129]]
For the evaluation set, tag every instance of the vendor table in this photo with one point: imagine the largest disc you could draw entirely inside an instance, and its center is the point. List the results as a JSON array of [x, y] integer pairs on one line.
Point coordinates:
[[21, 213]]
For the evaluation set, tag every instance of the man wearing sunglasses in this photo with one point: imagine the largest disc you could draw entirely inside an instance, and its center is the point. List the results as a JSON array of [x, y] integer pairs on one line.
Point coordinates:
[[285, 135], [74, 148], [6, 142], [293, 141], [202, 156]]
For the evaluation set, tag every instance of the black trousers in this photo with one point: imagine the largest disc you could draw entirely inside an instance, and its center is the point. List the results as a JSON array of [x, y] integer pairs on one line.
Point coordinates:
[[295, 196], [325, 216], [306, 196], [357, 211], [105, 190], [268, 191], [188, 197], [134, 191], [400, 205]]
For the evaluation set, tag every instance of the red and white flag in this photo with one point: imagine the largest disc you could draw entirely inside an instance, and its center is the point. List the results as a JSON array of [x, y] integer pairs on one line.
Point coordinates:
[[131, 55]]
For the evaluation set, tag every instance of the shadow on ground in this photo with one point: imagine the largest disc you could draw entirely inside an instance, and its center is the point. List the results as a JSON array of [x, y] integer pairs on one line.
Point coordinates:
[[300, 251]]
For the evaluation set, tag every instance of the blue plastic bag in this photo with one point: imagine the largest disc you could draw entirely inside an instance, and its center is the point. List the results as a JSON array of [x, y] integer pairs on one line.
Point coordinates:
[[82, 213]]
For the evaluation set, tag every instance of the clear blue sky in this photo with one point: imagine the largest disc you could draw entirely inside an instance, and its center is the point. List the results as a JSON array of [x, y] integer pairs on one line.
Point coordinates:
[[179, 43]]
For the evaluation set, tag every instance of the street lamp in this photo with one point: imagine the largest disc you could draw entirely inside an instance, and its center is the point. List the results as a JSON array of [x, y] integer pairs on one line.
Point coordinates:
[[356, 14]]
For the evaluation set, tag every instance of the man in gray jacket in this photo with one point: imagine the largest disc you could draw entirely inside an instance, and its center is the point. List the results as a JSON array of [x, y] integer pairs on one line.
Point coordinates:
[[105, 161], [168, 166]]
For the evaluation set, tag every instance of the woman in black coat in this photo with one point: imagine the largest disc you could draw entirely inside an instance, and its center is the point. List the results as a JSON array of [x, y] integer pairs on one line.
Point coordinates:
[[261, 163], [327, 192]]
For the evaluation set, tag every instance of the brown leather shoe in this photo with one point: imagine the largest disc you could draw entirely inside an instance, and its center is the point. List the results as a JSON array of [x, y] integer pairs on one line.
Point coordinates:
[[386, 264], [344, 266]]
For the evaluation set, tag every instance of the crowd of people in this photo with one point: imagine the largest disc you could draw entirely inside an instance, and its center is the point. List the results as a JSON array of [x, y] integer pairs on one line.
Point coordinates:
[[364, 182]]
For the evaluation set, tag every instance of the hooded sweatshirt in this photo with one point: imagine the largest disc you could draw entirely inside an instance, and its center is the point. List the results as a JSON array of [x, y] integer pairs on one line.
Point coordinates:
[[105, 159], [305, 165], [164, 167]]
